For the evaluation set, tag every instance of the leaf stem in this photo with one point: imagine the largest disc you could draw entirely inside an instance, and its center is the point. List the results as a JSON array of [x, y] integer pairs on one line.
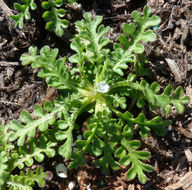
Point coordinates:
[[90, 138], [133, 120]]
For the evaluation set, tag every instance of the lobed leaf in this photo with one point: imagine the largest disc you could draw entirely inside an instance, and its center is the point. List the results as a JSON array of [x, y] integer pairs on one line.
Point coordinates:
[[91, 34], [107, 161], [23, 12], [20, 132], [35, 151], [134, 158], [25, 182], [123, 54], [4, 175], [54, 16], [165, 100], [55, 71]]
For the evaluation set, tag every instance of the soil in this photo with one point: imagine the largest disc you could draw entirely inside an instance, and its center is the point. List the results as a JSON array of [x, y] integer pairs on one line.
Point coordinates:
[[170, 58]]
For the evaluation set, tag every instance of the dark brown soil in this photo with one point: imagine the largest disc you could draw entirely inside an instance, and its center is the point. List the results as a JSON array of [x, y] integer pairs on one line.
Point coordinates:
[[20, 88]]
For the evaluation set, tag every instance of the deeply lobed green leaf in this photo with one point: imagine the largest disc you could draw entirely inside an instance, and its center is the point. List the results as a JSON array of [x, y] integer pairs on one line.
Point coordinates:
[[54, 16], [25, 182], [23, 12], [130, 43]]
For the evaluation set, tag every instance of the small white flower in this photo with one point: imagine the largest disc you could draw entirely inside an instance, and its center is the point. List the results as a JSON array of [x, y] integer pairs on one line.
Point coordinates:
[[102, 87], [61, 170], [71, 185]]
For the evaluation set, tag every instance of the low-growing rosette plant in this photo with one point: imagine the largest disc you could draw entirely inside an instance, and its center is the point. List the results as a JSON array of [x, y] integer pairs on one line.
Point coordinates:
[[96, 92]]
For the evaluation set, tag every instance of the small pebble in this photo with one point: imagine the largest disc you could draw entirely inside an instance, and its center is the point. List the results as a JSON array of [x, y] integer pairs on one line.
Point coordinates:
[[89, 187], [49, 176], [79, 178], [61, 170], [71, 185]]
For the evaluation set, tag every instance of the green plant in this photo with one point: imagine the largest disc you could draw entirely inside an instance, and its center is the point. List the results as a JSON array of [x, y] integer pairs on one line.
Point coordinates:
[[53, 16], [96, 85], [13, 156]]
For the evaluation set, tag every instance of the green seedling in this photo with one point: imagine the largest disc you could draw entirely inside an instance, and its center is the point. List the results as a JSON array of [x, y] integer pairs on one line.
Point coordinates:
[[54, 14], [96, 86]]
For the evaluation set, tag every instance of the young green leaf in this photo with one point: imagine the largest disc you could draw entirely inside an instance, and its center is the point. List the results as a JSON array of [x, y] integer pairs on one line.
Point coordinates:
[[23, 12], [54, 16], [123, 54], [25, 182]]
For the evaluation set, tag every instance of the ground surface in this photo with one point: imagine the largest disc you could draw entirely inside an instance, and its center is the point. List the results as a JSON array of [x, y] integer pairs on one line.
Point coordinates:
[[170, 58]]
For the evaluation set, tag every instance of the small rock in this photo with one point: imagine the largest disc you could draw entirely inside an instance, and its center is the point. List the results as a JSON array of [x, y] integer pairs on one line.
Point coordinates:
[[89, 187], [49, 176], [71, 185], [61, 170]]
